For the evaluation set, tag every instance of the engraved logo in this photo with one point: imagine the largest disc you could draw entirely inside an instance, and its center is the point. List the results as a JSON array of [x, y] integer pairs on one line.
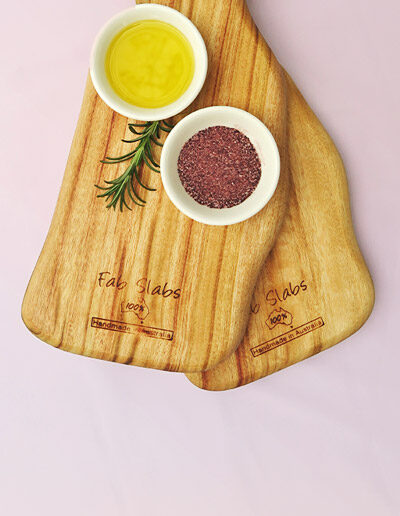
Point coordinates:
[[139, 308], [279, 316]]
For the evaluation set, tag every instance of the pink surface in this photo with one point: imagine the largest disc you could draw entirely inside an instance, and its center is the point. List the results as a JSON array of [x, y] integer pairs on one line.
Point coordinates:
[[83, 437]]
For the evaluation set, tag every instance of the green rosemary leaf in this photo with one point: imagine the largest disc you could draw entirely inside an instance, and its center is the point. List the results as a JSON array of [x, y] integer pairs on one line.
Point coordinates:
[[111, 204], [155, 141], [120, 158], [141, 183], [151, 167], [121, 203], [166, 128], [132, 130], [150, 156], [132, 141], [113, 181], [105, 194], [118, 192], [112, 188], [130, 190]]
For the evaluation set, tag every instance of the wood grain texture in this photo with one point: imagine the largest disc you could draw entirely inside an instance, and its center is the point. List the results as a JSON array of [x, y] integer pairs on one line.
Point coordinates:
[[315, 289], [214, 268]]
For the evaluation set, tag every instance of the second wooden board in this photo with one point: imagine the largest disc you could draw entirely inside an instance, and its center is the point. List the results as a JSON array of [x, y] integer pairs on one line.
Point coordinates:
[[315, 289]]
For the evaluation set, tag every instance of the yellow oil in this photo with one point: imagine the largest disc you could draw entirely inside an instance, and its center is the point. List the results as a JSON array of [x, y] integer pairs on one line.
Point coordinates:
[[150, 64]]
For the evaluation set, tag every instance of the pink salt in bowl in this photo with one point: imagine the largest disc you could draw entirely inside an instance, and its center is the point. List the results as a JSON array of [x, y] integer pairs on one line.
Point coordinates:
[[261, 139]]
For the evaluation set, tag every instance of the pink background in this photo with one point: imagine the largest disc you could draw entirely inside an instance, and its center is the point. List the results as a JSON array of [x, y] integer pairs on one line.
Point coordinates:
[[83, 437]]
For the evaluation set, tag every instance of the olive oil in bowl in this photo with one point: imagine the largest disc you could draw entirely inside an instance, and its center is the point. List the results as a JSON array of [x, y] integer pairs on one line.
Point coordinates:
[[150, 64]]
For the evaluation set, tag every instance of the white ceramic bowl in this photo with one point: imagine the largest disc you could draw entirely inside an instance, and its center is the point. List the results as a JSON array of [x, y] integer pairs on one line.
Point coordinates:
[[113, 27], [260, 137]]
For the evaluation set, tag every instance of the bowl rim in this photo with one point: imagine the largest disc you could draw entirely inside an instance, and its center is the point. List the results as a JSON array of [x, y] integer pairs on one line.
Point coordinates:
[[214, 216], [116, 24]]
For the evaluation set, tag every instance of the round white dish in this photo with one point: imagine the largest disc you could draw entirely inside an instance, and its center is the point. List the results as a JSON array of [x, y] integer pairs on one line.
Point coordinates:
[[117, 24], [261, 138]]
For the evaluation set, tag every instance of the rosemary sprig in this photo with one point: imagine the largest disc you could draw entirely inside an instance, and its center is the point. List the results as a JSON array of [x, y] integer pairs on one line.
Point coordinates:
[[122, 190]]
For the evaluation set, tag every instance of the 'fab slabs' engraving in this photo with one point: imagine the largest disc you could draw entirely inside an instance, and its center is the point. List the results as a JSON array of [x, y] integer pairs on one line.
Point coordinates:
[[280, 322], [134, 305], [106, 279]]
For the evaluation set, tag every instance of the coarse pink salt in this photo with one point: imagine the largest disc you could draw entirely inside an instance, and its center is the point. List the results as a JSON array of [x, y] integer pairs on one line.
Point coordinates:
[[219, 167]]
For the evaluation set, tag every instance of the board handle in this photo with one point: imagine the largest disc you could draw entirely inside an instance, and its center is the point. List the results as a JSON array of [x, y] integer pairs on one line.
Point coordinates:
[[200, 12], [186, 6]]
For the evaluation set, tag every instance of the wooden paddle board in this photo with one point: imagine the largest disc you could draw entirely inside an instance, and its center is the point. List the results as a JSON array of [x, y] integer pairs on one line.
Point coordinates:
[[315, 289], [193, 282]]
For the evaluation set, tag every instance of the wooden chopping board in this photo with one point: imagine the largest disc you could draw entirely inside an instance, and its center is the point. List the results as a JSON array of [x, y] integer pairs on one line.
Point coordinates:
[[315, 289], [97, 265]]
